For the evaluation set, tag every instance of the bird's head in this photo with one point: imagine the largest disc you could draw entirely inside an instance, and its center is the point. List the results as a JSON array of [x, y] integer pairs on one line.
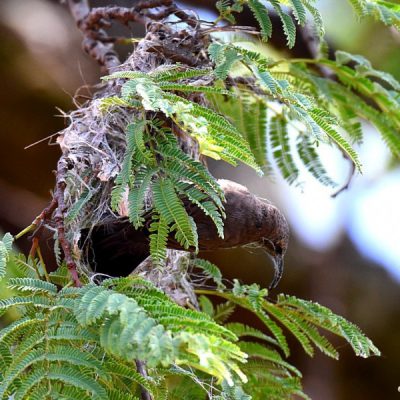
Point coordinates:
[[276, 245]]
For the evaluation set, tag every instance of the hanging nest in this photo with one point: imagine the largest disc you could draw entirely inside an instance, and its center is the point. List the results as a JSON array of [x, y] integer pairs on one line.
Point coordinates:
[[94, 237], [94, 143]]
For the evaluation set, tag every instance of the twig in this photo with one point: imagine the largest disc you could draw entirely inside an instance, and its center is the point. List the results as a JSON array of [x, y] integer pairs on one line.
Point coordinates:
[[145, 395], [59, 220], [103, 53], [346, 185]]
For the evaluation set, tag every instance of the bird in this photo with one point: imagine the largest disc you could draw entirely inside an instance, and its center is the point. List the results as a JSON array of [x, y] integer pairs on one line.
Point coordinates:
[[116, 248]]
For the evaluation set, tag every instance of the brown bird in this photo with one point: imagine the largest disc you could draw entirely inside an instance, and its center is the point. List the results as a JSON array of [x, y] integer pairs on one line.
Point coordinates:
[[116, 247]]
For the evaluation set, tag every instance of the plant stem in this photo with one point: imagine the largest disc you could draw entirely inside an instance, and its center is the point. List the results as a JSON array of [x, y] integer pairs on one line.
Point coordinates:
[[145, 395]]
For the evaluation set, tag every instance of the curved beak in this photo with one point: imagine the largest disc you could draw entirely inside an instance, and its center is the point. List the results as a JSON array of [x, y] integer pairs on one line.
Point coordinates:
[[278, 270]]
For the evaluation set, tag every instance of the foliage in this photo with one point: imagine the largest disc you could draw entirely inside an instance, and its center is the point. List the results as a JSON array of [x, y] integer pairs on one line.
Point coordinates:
[[83, 342], [296, 109], [70, 342]]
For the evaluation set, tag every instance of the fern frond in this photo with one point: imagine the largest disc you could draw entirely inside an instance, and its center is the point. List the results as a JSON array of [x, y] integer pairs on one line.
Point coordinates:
[[326, 319], [223, 311], [311, 161], [114, 394], [125, 75], [256, 350], [292, 327], [312, 333], [140, 336], [287, 22], [78, 206], [261, 14], [122, 370], [176, 75], [118, 192], [224, 58], [32, 285], [35, 301], [16, 328], [299, 11], [206, 306], [182, 167], [5, 249], [114, 101], [158, 239], [255, 125], [136, 143], [170, 207], [210, 269], [194, 88], [78, 378], [319, 117], [384, 11], [241, 330], [137, 194], [319, 24], [202, 201], [281, 151], [221, 131]]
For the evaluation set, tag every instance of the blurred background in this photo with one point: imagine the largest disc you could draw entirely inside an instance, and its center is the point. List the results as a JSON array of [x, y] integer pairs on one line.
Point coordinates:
[[344, 251]]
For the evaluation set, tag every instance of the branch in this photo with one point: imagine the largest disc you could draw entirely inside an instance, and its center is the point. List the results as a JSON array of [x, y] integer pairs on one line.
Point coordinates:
[[142, 371], [58, 219], [103, 53]]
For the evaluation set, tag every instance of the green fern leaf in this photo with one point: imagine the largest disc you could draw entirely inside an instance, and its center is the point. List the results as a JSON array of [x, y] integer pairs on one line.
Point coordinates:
[[319, 116], [125, 75], [261, 14], [118, 192], [223, 311], [32, 285], [193, 89], [312, 333], [114, 394], [158, 239], [299, 11], [326, 319], [135, 142], [5, 249], [201, 200], [292, 327], [199, 175], [206, 306], [211, 270], [359, 6], [257, 350], [122, 370], [273, 327], [288, 25], [76, 377], [224, 58], [78, 206], [312, 162], [35, 301], [16, 328], [32, 379], [170, 207], [137, 194], [174, 75], [114, 101], [255, 123], [281, 151], [241, 330], [319, 24]]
